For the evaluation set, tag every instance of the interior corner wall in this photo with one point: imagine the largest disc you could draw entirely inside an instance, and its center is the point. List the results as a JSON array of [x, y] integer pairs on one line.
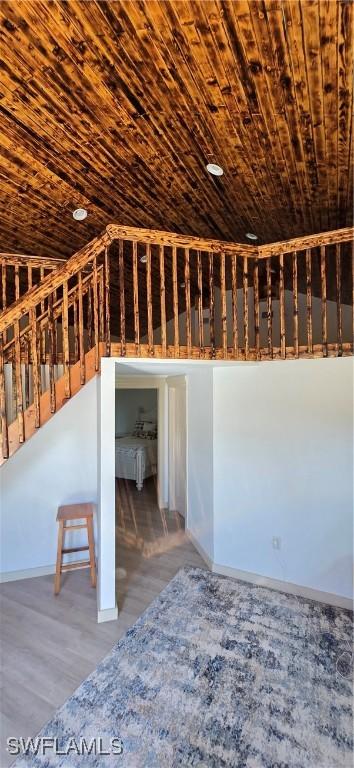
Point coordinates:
[[200, 458], [283, 466], [58, 465]]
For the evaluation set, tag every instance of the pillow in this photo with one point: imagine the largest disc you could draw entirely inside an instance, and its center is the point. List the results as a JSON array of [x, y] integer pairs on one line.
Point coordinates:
[[145, 429]]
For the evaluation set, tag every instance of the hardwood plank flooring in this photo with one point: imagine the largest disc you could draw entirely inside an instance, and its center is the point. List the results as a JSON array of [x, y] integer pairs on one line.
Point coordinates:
[[49, 645]]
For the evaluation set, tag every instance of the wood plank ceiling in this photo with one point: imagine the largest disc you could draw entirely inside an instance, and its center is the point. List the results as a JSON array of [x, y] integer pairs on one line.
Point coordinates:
[[118, 106]]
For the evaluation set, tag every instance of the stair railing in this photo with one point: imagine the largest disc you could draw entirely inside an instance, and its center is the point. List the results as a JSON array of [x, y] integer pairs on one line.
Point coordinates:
[[148, 293], [20, 273]]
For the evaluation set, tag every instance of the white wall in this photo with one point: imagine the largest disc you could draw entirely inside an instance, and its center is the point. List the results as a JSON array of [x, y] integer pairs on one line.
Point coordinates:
[[283, 466], [132, 404], [58, 465], [200, 456]]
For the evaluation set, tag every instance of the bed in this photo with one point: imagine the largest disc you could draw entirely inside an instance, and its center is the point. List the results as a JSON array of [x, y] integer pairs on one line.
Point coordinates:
[[136, 458]]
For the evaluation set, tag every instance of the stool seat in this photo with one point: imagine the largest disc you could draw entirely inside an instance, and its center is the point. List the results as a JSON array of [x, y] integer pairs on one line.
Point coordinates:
[[84, 512], [75, 511]]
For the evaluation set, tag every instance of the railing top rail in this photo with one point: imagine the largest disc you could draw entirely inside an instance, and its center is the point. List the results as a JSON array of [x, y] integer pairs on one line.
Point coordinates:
[[160, 237], [40, 292], [308, 241], [157, 237], [25, 260]]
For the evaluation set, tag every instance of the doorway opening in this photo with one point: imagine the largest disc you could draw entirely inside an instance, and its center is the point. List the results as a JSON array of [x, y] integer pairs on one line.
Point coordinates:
[[151, 488]]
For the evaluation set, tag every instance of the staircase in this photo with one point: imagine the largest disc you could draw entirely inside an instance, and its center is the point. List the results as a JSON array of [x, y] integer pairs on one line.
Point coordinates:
[[146, 293]]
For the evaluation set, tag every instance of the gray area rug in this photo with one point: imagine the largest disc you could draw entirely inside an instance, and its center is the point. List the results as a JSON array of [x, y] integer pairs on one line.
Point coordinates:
[[218, 673]]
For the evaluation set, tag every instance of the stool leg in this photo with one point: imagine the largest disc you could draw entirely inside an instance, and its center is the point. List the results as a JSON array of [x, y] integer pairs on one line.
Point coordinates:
[[59, 557], [91, 542]]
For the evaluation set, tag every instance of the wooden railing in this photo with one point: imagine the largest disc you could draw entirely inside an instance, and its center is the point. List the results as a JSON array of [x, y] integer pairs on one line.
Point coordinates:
[[19, 273], [146, 293]]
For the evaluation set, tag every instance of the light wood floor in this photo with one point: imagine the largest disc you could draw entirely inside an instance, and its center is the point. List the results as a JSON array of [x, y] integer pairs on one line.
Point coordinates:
[[49, 645]]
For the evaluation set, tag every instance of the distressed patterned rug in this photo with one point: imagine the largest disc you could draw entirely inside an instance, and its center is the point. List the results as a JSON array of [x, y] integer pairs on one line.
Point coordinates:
[[217, 673]]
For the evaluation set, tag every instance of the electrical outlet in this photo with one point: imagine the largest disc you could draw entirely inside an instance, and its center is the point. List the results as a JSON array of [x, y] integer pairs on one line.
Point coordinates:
[[276, 542]]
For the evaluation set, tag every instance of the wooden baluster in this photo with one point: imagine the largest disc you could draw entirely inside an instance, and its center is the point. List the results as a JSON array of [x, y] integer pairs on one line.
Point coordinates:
[[296, 307], [136, 298], [66, 347], [187, 283], [269, 306], [175, 300], [245, 305], [282, 307], [42, 336], [309, 300], [211, 304], [81, 332], [4, 434], [51, 353], [89, 316], [200, 304], [101, 304], [324, 301], [95, 314], [234, 305], [35, 367], [107, 286], [339, 301], [18, 376], [55, 342], [76, 330], [256, 308], [27, 343], [353, 292], [122, 297], [17, 366], [163, 301], [4, 284], [149, 301], [223, 304]]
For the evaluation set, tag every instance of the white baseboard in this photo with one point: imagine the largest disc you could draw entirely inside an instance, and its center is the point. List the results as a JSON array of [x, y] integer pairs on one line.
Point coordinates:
[[28, 573], [284, 586], [265, 581], [107, 614], [200, 549]]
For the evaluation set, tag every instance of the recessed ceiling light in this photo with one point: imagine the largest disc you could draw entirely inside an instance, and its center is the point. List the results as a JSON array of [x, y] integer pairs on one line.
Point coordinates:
[[79, 214], [251, 236], [215, 170], [143, 259]]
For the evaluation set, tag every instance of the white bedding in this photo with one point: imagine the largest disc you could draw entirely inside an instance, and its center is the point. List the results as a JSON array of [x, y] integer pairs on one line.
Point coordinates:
[[135, 459]]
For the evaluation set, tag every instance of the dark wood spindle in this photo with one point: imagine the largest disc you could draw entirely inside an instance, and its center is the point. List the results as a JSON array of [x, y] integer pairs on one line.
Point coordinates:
[[234, 305], [121, 297], [136, 298], [245, 305], [282, 307], [200, 304], [256, 308], [324, 301], [107, 287], [309, 300], [187, 288], [339, 301], [223, 304], [4, 433], [66, 345], [296, 307], [211, 304], [163, 300], [269, 307]]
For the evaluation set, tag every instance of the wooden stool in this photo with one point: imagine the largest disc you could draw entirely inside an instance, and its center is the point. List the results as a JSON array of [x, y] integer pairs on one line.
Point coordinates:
[[75, 512]]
